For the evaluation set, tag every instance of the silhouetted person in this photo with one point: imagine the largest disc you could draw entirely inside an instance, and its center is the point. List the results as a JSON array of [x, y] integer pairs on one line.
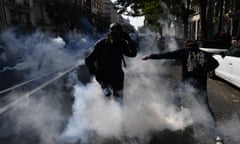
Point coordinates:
[[224, 38], [195, 66], [105, 61]]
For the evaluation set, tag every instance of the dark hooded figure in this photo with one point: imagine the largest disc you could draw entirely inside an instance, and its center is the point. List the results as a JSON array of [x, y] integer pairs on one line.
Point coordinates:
[[195, 66], [106, 59]]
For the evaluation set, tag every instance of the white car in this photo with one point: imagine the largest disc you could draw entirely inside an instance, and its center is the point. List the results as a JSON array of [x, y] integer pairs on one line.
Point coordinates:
[[212, 46], [229, 66]]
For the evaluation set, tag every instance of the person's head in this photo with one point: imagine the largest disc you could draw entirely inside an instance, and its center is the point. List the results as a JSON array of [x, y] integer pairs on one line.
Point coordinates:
[[115, 30], [188, 42], [192, 44]]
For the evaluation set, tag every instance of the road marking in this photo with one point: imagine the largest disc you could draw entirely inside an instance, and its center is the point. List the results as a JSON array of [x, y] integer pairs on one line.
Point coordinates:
[[28, 94], [236, 101]]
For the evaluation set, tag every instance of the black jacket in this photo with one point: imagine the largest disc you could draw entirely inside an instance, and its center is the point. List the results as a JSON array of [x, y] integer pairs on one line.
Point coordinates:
[[195, 64], [106, 57]]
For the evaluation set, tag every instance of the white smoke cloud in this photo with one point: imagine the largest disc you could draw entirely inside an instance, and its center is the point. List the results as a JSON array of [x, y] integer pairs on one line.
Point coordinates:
[[148, 106], [39, 117], [149, 100], [41, 52], [230, 128], [42, 114], [92, 113]]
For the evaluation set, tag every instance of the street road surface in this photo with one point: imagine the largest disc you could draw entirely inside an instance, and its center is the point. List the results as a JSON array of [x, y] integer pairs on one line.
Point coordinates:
[[224, 98]]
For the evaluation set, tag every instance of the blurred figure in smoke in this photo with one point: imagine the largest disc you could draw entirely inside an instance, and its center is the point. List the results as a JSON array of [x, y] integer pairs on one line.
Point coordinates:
[[236, 42], [195, 66], [105, 61]]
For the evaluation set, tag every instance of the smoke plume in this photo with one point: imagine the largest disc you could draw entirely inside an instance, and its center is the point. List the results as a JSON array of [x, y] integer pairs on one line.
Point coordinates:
[[83, 115]]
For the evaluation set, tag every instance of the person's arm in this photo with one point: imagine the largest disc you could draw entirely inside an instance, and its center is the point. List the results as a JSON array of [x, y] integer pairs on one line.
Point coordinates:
[[130, 49], [178, 54], [92, 57]]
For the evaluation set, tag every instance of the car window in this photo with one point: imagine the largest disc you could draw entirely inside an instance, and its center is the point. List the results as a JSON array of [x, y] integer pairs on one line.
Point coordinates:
[[235, 52]]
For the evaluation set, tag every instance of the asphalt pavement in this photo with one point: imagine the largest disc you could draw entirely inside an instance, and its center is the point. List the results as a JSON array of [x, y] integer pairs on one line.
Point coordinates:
[[223, 97]]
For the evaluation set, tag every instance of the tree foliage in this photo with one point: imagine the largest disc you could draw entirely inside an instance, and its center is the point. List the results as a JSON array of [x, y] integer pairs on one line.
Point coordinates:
[[130, 7], [211, 13], [153, 10]]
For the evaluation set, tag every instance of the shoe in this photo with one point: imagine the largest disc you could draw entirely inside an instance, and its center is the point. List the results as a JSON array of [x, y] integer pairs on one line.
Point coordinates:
[[106, 92], [119, 100], [118, 96]]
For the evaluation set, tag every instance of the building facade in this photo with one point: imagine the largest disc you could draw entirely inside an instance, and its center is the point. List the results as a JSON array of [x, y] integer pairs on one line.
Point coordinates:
[[32, 13], [229, 21], [97, 6], [17, 12]]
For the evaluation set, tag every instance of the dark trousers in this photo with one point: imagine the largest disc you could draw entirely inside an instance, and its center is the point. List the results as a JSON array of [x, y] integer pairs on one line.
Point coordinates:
[[114, 81], [202, 98]]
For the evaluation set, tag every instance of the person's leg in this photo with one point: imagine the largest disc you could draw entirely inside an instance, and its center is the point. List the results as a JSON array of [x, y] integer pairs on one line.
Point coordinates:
[[105, 89], [204, 101], [117, 87], [104, 84], [118, 96], [177, 89]]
